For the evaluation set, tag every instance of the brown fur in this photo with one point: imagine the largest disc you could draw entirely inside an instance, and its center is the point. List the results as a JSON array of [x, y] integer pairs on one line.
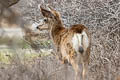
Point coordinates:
[[62, 37]]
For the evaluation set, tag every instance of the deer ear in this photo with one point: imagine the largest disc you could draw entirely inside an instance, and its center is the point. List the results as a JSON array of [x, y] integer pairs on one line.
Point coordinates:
[[12, 2], [46, 13], [57, 14]]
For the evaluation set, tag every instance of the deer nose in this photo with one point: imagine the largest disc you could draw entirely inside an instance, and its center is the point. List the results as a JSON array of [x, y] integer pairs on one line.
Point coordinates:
[[37, 27], [81, 50]]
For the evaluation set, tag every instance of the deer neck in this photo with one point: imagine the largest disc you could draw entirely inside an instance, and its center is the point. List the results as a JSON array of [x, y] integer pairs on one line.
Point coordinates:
[[56, 29]]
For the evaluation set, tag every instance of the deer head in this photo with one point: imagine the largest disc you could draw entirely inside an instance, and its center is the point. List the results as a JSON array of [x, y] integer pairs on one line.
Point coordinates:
[[52, 17]]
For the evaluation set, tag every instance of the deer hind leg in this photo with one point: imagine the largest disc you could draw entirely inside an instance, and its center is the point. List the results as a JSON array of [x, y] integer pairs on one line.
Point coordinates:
[[84, 71], [85, 65], [80, 70], [76, 69]]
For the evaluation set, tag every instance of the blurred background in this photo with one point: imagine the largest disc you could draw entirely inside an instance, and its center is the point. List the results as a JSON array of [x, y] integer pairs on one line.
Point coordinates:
[[26, 53]]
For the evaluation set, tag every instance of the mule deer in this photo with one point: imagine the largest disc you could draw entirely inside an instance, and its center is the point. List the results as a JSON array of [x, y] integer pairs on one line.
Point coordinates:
[[72, 44]]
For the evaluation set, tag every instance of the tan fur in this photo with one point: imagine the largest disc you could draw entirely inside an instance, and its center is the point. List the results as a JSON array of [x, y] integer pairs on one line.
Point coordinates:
[[62, 37], [118, 78]]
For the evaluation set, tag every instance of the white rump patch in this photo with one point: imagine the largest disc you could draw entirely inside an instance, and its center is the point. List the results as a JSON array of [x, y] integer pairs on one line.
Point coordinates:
[[77, 41]]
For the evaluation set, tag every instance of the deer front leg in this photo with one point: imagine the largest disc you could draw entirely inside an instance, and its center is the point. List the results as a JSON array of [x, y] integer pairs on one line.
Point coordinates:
[[62, 58], [58, 54]]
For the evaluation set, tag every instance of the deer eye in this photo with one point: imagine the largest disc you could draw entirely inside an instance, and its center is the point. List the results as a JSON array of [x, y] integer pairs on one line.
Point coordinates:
[[45, 20]]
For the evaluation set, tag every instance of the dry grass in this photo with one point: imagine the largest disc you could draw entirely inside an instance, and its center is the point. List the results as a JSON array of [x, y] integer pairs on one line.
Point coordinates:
[[104, 62]]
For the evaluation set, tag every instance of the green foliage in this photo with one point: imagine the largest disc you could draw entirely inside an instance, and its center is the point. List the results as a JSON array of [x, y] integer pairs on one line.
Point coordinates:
[[5, 56], [45, 43], [8, 55]]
